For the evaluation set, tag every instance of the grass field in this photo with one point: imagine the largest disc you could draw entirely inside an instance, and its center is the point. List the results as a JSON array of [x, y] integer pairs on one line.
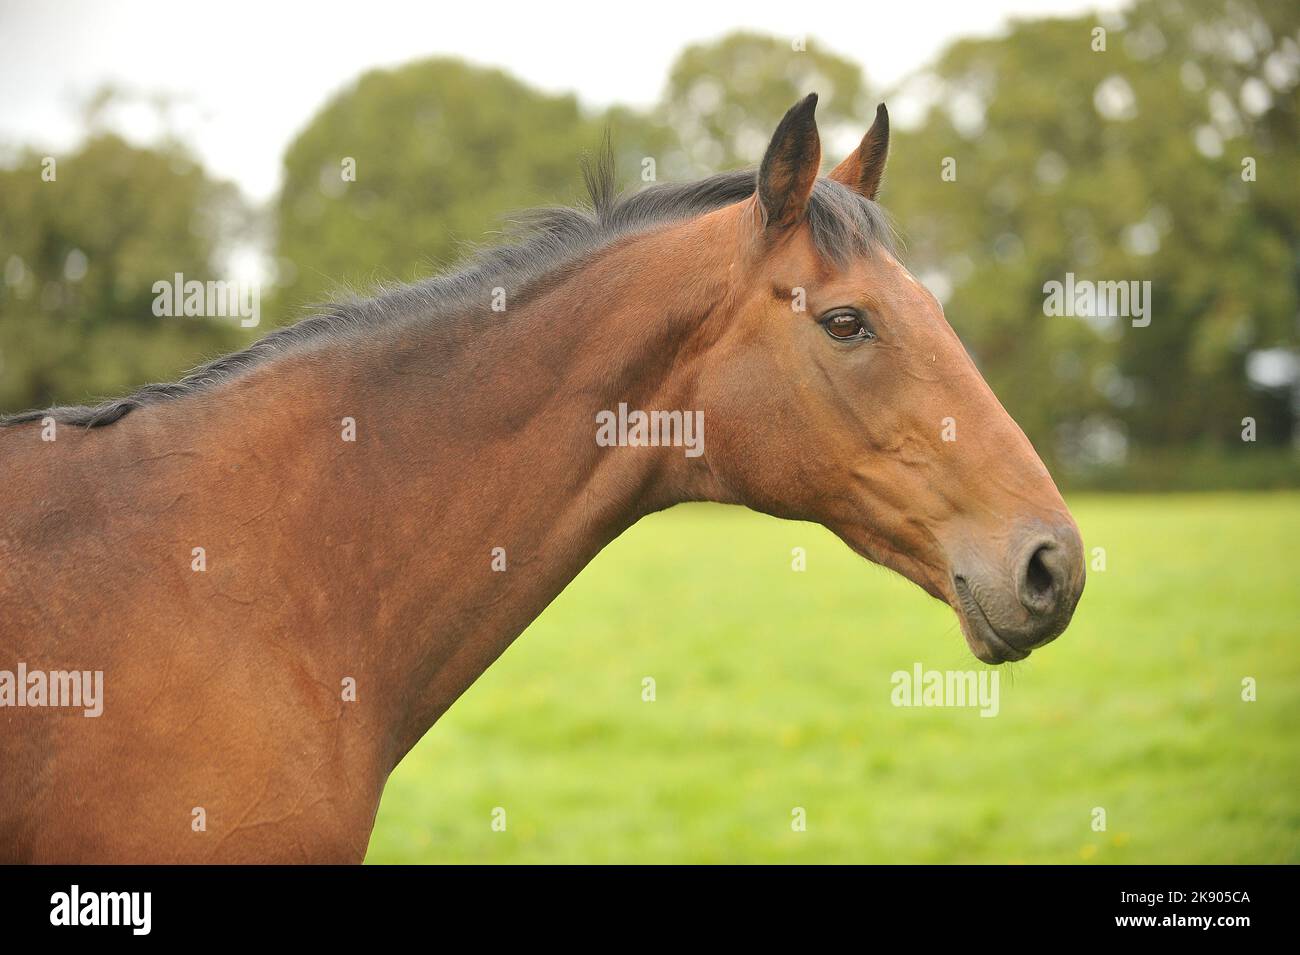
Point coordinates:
[[773, 692]]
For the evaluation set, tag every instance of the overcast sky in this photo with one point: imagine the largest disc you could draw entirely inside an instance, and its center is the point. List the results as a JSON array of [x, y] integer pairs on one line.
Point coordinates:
[[253, 73]]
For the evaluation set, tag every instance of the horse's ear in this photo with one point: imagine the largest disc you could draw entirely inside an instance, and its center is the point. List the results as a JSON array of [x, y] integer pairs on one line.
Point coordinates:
[[862, 170], [789, 169]]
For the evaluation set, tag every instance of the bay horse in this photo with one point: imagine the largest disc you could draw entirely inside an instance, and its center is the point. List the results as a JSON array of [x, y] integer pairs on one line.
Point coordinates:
[[290, 563]]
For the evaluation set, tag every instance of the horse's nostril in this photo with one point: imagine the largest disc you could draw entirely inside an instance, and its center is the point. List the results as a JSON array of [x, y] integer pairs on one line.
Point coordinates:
[[1038, 585], [1037, 575]]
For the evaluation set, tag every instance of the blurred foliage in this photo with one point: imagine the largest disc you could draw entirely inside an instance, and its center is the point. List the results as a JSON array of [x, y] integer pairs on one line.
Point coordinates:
[[1117, 165], [724, 99], [1122, 164], [442, 150], [80, 255]]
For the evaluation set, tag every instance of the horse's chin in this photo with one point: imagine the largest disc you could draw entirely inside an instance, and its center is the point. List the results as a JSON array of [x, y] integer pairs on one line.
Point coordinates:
[[981, 636]]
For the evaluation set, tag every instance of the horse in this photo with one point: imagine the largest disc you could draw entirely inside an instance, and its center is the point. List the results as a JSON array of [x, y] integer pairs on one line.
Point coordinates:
[[288, 565]]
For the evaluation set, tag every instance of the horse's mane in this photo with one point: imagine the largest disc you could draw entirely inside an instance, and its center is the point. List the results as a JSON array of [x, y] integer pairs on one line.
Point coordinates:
[[843, 224]]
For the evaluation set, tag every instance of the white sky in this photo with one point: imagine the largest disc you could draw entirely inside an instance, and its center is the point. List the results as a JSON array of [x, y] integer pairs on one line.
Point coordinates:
[[253, 73]]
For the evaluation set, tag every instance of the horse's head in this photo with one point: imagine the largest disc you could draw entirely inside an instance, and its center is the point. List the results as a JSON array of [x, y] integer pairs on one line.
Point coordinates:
[[837, 392]]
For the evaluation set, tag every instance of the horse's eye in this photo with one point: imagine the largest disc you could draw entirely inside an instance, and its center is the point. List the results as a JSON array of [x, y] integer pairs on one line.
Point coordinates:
[[846, 326]]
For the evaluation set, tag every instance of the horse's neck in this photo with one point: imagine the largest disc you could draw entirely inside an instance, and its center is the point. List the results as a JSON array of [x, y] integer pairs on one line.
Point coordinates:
[[475, 489]]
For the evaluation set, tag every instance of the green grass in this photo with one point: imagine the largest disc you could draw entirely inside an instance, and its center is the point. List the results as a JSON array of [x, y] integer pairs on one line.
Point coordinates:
[[773, 691]]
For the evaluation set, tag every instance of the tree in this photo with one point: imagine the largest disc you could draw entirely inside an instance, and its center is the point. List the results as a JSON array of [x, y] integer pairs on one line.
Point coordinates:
[[84, 240], [724, 98], [1122, 164], [401, 171]]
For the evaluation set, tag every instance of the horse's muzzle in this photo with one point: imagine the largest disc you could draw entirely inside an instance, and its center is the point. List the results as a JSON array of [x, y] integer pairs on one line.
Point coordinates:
[[1005, 615]]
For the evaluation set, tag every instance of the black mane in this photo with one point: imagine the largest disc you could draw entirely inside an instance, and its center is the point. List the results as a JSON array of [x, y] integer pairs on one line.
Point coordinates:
[[843, 224]]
